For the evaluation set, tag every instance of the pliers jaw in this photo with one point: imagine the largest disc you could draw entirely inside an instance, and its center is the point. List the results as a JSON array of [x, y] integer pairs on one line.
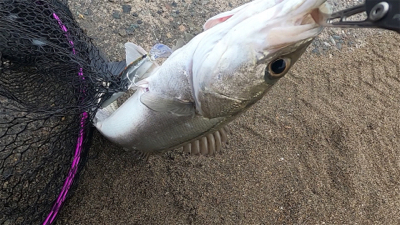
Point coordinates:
[[380, 14]]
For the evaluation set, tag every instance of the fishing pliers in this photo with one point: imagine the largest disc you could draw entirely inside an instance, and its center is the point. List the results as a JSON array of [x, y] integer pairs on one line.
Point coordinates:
[[380, 14]]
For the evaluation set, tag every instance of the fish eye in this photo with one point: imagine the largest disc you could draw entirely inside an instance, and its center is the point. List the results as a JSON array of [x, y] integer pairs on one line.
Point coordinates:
[[278, 66], [277, 69]]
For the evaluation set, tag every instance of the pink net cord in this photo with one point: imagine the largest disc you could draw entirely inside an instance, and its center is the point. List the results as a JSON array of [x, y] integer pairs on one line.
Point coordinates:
[[79, 145]]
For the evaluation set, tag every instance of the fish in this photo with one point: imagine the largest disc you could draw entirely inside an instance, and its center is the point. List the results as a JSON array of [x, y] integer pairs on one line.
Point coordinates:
[[187, 101]]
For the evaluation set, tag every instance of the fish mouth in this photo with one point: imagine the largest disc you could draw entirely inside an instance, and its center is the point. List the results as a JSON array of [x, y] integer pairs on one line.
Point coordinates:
[[301, 23], [316, 16], [306, 12]]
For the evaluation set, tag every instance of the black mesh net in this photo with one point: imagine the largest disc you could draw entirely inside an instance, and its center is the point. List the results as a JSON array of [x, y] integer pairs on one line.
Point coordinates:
[[51, 81]]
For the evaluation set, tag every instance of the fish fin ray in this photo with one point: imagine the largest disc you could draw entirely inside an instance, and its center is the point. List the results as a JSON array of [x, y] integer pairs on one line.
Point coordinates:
[[140, 155], [209, 144], [195, 149], [204, 146], [187, 148], [218, 142], [162, 104], [224, 136]]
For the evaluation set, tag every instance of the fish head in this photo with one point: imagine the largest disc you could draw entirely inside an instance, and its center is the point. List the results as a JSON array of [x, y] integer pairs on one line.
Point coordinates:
[[245, 51]]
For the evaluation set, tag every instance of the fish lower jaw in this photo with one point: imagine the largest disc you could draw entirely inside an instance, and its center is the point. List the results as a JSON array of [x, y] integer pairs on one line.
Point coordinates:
[[320, 14], [314, 16]]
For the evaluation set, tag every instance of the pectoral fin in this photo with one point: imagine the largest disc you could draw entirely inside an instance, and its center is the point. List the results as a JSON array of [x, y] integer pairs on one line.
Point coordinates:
[[159, 103]]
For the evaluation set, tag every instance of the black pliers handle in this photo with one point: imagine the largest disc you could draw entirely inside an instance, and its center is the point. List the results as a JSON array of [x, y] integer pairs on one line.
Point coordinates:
[[380, 14]]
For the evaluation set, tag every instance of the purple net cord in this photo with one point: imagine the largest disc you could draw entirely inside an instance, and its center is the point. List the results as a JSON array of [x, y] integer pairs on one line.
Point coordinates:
[[75, 162]]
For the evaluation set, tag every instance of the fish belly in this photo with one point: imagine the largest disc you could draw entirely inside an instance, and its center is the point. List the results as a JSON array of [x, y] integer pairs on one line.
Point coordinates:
[[136, 127]]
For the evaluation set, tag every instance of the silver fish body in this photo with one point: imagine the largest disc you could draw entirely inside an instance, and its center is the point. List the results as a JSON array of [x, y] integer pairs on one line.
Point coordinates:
[[215, 77]]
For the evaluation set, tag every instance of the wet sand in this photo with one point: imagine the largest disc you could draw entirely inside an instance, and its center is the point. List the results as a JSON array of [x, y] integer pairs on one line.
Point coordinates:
[[321, 147]]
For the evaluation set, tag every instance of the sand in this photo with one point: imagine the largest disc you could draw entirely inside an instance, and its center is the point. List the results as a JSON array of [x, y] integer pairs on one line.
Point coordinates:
[[322, 147]]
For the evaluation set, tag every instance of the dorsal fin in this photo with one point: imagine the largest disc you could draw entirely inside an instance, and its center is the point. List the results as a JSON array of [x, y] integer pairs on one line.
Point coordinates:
[[209, 144], [133, 52], [138, 64]]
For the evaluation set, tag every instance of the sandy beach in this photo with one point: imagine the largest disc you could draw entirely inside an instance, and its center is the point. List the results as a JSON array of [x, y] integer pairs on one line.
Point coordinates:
[[322, 147]]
